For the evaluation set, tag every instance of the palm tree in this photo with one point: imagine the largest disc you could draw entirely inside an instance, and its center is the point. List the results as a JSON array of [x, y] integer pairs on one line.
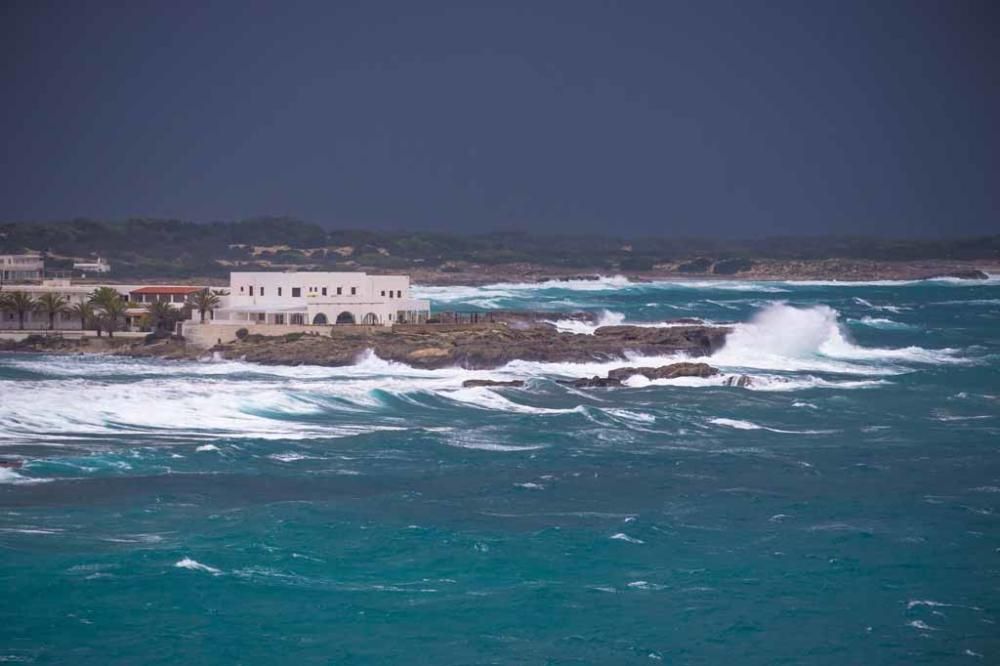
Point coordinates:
[[51, 304], [85, 313], [159, 313], [112, 306], [20, 303], [203, 301]]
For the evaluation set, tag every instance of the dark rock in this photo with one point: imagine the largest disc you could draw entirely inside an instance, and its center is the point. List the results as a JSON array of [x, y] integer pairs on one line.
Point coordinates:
[[476, 383], [591, 382], [739, 381], [695, 321], [665, 371]]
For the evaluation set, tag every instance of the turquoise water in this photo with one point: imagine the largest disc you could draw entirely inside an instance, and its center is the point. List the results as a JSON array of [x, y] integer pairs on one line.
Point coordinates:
[[841, 510]]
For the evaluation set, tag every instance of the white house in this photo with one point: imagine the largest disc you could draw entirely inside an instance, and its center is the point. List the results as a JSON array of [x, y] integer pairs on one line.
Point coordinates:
[[293, 298]]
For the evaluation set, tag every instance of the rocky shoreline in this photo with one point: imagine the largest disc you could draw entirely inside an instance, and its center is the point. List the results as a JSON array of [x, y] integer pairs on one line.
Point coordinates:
[[471, 346]]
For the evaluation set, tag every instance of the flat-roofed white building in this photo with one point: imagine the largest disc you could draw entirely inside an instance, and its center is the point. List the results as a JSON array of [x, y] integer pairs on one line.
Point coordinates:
[[303, 298], [16, 267]]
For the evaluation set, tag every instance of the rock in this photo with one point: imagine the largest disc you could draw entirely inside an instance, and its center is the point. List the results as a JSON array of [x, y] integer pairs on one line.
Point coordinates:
[[476, 383], [665, 371], [591, 382], [739, 381], [695, 321]]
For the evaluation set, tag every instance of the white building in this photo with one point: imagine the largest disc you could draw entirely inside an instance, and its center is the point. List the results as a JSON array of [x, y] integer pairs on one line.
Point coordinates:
[[17, 267], [99, 266], [294, 298]]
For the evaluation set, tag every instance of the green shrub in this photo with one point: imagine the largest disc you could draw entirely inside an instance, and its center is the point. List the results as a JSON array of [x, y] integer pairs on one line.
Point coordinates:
[[242, 333]]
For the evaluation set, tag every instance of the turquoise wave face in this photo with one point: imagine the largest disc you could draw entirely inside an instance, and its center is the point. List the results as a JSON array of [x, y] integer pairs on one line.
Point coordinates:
[[842, 509]]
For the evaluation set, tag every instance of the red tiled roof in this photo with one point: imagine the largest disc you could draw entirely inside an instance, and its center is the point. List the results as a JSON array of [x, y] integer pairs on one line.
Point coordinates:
[[165, 290]]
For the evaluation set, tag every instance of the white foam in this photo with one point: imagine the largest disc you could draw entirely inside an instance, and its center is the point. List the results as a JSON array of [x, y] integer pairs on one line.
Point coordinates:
[[621, 536], [736, 423], [920, 624], [882, 323], [791, 339], [204, 448], [194, 565], [604, 318], [11, 477]]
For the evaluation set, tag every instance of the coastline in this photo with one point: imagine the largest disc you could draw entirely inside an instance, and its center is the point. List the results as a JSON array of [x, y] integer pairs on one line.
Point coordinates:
[[766, 270], [469, 346]]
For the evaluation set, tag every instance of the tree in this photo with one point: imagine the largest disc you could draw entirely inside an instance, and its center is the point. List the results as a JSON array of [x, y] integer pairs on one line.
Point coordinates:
[[86, 314], [51, 304], [161, 315], [19, 303], [204, 301], [112, 307]]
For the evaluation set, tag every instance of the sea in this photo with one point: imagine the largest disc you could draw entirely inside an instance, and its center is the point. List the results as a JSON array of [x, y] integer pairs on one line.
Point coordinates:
[[844, 508]]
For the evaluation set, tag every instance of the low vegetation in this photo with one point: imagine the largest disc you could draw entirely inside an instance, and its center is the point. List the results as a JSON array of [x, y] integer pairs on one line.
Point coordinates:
[[144, 248]]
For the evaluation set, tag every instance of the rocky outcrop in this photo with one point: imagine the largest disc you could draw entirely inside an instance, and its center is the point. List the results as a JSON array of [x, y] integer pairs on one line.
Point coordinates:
[[739, 381], [477, 383], [482, 346], [591, 382], [671, 371]]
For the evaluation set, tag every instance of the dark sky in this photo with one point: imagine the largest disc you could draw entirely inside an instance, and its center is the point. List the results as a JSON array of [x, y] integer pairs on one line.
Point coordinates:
[[698, 118]]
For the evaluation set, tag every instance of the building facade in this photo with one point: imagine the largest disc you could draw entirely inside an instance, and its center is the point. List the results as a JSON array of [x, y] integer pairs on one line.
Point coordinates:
[[137, 296], [294, 298], [18, 267]]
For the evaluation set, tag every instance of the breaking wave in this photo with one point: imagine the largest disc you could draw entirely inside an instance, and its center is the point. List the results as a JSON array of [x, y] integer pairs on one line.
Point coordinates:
[[792, 339]]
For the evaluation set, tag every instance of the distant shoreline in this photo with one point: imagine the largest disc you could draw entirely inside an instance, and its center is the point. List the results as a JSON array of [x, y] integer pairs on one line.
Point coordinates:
[[463, 274], [841, 270]]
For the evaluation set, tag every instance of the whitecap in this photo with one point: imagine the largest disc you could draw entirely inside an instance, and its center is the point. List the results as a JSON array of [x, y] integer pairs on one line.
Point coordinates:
[[621, 536], [735, 423], [194, 565]]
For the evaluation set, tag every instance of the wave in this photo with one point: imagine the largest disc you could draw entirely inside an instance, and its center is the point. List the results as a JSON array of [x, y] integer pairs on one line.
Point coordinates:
[[882, 323], [611, 318], [9, 476], [194, 565], [792, 339]]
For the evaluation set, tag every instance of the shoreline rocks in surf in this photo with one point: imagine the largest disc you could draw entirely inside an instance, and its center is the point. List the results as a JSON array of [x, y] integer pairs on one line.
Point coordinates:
[[479, 346]]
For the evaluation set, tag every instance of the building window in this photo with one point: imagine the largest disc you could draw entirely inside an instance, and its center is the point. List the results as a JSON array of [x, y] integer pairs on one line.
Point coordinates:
[[383, 293], [324, 291], [178, 298], [399, 293], [251, 290], [262, 291], [297, 319], [241, 289], [296, 292], [354, 291], [279, 291], [390, 293], [279, 318], [340, 290]]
